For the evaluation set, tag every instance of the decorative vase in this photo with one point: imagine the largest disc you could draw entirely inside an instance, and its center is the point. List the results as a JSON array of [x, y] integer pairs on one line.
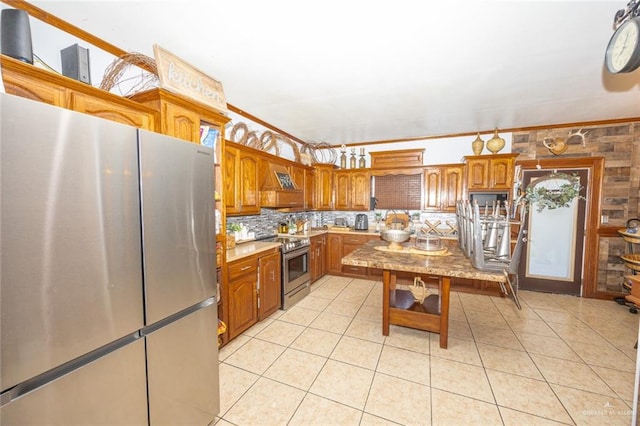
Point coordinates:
[[343, 157], [477, 145], [496, 143]]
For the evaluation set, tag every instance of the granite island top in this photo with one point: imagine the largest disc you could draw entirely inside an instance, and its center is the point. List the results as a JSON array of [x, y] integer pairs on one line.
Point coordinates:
[[454, 265]]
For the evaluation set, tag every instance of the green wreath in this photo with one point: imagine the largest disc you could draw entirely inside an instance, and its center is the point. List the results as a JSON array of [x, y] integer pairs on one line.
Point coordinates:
[[557, 197]]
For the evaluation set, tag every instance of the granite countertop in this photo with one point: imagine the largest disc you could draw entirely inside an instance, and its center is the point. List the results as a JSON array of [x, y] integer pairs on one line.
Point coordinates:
[[248, 249], [454, 265]]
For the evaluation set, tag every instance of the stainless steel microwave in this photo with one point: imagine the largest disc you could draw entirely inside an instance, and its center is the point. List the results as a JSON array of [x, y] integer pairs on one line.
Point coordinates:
[[488, 197]]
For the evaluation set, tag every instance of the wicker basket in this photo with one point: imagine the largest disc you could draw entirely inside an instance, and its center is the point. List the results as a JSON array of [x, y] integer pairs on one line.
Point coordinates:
[[419, 290], [632, 261], [629, 237]]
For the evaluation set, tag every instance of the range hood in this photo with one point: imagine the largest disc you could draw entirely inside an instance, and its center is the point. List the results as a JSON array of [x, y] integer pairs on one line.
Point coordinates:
[[279, 190]]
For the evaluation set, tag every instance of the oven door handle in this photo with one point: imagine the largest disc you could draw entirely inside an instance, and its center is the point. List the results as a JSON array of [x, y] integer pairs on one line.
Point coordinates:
[[295, 253]]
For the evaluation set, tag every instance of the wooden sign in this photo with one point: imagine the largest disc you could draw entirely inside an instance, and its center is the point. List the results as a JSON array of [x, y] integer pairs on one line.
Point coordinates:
[[179, 77]]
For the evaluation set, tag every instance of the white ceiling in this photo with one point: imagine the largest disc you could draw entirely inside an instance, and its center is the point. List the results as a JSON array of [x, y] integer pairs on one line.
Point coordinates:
[[348, 71]]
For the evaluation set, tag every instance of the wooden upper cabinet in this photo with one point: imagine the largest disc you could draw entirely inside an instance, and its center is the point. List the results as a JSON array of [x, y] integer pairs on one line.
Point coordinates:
[[110, 111], [352, 190], [240, 182], [34, 83], [452, 187], [432, 188], [309, 182], [501, 172], [360, 190], [297, 175], [230, 178], [478, 174], [397, 159], [342, 188], [303, 178], [181, 117], [180, 122], [323, 187], [487, 172], [443, 187], [29, 82], [248, 169]]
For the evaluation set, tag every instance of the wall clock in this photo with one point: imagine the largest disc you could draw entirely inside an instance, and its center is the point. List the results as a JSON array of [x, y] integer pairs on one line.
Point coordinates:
[[623, 51]]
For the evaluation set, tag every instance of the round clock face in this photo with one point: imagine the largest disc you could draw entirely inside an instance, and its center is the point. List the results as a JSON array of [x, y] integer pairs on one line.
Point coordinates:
[[623, 51]]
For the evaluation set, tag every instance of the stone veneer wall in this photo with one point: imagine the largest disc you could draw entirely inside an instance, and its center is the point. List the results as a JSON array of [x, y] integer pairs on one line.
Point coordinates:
[[619, 144]]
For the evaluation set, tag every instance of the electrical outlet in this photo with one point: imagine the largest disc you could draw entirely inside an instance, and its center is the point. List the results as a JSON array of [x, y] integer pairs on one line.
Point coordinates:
[[604, 219]]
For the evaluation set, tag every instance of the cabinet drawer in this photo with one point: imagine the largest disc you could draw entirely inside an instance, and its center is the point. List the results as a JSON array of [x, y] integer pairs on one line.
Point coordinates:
[[354, 270], [354, 239], [242, 267]]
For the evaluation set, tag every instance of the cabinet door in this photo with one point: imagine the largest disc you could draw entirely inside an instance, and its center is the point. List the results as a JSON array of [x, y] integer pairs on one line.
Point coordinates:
[[323, 188], [334, 254], [432, 188], [478, 174], [501, 173], [111, 111], [309, 182], [343, 190], [313, 263], [297, 175], [322, 256], [242, 295], [231, 196], [270, 296], [451, 189], [248, 170], [360, 191], [240, 182], [317, 257], [180, 122], [19, 84]]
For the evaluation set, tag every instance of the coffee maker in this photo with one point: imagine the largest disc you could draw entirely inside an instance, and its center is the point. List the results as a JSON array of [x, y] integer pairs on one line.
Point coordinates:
[[362, 222]]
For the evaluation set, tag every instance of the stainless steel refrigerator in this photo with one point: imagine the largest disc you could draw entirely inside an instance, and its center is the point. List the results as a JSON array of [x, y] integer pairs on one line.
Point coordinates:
[[107, 275]]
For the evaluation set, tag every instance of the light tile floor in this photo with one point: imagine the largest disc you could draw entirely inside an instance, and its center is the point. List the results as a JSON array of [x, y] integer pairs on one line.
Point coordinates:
[[559, 360]]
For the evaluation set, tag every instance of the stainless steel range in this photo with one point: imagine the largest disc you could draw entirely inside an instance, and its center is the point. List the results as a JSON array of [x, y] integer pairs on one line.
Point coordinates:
[[296, 276]]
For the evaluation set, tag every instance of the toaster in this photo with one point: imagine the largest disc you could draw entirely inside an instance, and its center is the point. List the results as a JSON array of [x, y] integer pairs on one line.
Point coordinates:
[[362, 222]]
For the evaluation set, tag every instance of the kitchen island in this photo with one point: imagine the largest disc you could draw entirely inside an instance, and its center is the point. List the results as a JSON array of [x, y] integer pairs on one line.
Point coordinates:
[[399, 306]]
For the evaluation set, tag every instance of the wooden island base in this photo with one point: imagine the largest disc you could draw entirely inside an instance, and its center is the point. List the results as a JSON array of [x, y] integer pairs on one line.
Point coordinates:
[[400, 308]]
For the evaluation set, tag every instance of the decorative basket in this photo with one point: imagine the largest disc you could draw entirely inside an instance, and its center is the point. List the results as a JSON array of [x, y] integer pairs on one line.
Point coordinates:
[[632, 261], [419, 290]]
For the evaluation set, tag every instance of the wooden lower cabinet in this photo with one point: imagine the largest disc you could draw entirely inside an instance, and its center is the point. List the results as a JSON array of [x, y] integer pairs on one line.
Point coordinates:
[[269, 293], [334, 254], [340, 245], [318, 257], [253, 290], [242, 295]]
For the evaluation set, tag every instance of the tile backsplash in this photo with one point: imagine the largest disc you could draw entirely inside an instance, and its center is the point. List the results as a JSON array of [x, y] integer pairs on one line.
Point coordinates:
[[266, 223]]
